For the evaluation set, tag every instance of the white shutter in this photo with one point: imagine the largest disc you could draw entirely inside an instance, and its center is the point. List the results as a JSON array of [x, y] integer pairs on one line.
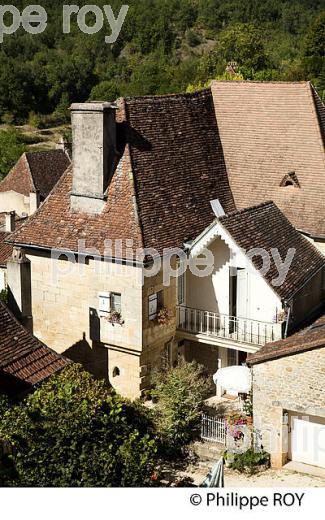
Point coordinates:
[[104, 304]]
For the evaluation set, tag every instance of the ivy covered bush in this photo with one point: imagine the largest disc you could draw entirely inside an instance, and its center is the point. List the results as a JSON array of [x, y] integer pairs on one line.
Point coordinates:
[[73, 431]]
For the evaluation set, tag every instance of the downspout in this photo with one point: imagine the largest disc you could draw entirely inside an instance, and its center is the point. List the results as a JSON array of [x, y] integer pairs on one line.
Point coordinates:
[[288, 319]]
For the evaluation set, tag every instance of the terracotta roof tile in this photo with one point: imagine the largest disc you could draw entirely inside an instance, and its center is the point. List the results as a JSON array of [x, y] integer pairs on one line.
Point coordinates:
[[310, 338], [266, 227], [36, 171], [159, 196], [268, 130], [23, 357], [46, 169], [179, 168]]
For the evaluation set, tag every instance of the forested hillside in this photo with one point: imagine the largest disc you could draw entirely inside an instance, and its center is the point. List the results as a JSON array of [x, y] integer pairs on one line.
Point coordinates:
[[164, 46]]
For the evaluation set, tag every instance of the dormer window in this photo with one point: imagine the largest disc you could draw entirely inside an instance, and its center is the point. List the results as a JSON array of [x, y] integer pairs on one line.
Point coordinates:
[[290, 179]]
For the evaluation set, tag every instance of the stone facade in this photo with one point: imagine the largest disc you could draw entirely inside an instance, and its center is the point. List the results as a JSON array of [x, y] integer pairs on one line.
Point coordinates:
[[64, 298], [290, 384]]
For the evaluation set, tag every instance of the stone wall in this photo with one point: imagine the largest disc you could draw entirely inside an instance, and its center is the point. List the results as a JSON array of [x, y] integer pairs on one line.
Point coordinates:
[[65, 308], [290, 384]]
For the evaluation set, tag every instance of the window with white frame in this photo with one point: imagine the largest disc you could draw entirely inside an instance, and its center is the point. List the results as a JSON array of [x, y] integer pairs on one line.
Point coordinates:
[[116, 302], [156, 303], [109, 302], [181, 289]]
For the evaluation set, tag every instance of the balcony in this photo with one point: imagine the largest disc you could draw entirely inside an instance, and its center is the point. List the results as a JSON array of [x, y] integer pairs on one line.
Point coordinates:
[[221, 329]]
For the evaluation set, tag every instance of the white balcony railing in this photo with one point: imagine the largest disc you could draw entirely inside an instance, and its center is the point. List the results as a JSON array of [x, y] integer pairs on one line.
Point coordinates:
[[241, 330]]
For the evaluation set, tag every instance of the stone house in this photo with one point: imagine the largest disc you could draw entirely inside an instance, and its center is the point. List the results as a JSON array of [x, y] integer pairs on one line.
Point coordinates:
[[30, 181], [289, 399], [22, 191], [24, 360], [149, 186]]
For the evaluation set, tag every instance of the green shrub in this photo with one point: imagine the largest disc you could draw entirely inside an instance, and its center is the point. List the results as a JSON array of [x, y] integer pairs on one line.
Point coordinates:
[[180, 393], [4, 296], [11, 148], [250, 461], [34, 119], [193, 39], [74, 431]]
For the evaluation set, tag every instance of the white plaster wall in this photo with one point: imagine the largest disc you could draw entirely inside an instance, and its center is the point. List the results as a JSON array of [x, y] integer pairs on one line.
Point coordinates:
[[13, 201], [2, 279], [212, 292]]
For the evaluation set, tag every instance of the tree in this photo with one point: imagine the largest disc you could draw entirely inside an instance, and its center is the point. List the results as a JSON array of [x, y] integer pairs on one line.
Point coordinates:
[[74, 431], [314, 47], [105, 91], [11, 148], [244, 44], [180, 392]]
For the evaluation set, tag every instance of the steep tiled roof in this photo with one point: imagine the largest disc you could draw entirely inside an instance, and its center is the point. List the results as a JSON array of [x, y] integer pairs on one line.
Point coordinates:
[[36, 171], [312, 337], [180, 170], [24, 358], [266, 227], [159, 196], [46, 169], [320, 107], [54, 226], [268, 130], [18, 179]]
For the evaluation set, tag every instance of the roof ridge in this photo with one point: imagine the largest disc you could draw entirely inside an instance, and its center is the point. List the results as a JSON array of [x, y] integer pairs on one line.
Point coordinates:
[[25, 155], [260, 82], [167, 96], [312, 92], [247, 210]]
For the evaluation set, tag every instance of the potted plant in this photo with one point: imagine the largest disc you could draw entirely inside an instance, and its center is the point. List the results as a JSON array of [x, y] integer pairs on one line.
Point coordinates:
[[235, 422], [164, 316], [115, 318], [280, 316]]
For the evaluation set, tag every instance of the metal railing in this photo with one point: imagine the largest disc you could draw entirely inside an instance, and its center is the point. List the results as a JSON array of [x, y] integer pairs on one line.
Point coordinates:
[[242, 330], [213, 429]]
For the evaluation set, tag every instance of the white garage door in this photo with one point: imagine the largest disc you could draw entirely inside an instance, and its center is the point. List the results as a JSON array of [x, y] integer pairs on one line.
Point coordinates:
[[307, 440]]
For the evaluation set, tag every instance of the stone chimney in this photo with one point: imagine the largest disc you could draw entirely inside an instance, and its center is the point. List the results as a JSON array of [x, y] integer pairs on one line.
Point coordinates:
[[10, 222], [34, 202], [65, 146], [93, 154]]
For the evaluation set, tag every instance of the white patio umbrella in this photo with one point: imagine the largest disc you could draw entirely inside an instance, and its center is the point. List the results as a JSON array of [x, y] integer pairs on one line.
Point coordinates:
[[236, 379]]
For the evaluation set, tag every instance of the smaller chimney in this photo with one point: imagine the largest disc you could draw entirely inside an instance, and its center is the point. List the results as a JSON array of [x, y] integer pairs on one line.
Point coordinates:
[[34, 202], [65, 146], [10, 222]]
